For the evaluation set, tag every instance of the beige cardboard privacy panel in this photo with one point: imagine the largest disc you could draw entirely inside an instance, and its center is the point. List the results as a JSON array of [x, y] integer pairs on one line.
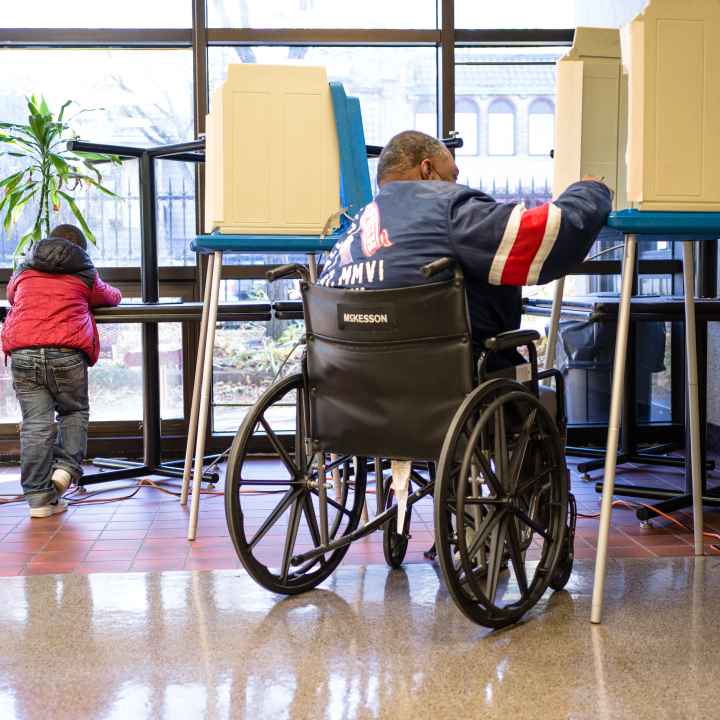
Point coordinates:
[[671, 51], [590, 125], [272, 163]]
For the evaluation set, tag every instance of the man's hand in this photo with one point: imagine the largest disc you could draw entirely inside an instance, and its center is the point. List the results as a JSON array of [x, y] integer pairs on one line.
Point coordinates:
[[600, 180]]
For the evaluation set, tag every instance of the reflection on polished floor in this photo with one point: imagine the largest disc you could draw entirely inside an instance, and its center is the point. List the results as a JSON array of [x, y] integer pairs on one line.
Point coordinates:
[[371, 643]]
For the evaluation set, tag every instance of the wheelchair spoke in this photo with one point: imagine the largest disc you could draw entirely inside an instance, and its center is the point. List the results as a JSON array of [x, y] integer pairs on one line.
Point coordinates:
[[262, 482], [485, 500], [290, 538], [332, 503], [488, 474], [309, 511], [501, 456], [274, 516], [518, 456], [279, 449], [495, 559], [337, 462], [522, 489], [536, 526], [488, 525], [517, 558]]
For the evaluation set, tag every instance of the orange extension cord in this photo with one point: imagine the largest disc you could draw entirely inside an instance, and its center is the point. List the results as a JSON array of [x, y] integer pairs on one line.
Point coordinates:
[[675, 521]]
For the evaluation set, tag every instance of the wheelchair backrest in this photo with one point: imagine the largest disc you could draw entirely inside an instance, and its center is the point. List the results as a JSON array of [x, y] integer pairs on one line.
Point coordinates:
[[387, 369]]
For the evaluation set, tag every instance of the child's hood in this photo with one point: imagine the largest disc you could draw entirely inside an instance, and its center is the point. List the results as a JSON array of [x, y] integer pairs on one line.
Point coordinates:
[[59, 257]]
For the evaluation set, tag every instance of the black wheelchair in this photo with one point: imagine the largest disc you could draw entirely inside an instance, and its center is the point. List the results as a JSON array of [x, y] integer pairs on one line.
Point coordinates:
[[390, 374]]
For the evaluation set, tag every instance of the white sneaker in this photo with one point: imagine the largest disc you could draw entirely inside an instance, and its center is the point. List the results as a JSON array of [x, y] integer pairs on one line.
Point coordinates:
[[61, 479], [48, 510]]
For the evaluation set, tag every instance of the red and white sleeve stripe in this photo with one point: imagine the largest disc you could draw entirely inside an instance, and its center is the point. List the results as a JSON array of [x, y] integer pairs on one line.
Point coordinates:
[[527, 241]]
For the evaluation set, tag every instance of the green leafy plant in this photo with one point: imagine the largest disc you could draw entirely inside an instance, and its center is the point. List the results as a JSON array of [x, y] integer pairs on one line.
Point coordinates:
[[51, 172]]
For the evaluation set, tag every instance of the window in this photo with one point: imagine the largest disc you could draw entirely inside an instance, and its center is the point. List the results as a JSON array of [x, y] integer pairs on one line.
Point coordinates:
[[541, 127], [130, 97], [94, 14], [501, 128], [384, 78], [609, 13], [321, 14], [467, 124], [426, 119], [503, 82], [115, 382], [515, 14]]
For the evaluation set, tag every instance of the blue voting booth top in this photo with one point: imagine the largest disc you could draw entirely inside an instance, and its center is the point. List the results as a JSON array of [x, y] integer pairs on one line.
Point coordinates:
[[668, 226], [647, 226]]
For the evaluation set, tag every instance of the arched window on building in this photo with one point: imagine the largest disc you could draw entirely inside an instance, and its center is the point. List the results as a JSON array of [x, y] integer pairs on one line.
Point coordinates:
[[426, 119], [541, 127], [501, 128], [467, 124]]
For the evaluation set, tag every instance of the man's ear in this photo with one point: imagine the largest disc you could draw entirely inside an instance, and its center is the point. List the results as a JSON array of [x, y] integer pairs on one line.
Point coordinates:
[[426, 170]]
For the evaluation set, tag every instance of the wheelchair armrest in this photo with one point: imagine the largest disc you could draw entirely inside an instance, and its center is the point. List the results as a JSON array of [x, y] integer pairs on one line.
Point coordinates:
[[511, 340], [290, 270], [557, 376]]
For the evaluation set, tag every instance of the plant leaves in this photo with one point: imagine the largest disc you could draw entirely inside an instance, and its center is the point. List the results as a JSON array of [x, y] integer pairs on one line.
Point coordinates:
[[78, 216], [25, 240], [63, 108]]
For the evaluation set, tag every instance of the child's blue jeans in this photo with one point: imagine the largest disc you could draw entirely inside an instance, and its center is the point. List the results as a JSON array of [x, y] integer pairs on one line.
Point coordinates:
[[50, 382]]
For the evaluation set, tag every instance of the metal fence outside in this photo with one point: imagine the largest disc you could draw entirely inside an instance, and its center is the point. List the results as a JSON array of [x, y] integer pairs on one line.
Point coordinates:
[[116, 220]]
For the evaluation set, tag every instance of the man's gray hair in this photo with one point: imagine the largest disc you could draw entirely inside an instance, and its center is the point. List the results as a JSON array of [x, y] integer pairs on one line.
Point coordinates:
[[406, 150]]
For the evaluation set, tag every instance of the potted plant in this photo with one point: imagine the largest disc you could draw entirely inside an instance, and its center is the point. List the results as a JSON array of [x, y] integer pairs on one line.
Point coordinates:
[[50, 174]]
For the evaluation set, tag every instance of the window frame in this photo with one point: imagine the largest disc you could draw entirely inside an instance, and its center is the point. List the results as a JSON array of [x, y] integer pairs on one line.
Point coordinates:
[[187, 281]]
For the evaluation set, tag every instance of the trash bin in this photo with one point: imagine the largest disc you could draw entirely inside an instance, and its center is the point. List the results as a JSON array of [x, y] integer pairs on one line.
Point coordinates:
[[585, 355]]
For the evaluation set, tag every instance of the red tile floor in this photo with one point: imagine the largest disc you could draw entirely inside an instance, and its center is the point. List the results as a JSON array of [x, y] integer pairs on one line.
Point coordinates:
[[148, 531]]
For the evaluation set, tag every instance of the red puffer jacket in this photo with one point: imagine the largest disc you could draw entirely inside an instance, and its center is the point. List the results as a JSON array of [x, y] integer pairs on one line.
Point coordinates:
[[51, 296]]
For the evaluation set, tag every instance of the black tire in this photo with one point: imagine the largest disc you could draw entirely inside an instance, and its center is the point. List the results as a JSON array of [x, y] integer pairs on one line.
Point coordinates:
[[500, 488], [395, 544], [246, 492], [564, 568]]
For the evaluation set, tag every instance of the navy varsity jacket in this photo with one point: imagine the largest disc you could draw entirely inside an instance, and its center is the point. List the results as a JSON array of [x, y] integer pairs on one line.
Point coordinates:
[[500, 246]]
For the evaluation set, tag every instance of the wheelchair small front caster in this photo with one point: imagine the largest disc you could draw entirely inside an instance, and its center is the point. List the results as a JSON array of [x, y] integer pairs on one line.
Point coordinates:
[[565, 564], [395, 544], [80, 490], [585, 477], [646, 525]]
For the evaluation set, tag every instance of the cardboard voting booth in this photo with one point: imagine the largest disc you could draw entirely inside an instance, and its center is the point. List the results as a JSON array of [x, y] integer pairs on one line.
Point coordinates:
[[272, 162], [671, 52], [591, 114]]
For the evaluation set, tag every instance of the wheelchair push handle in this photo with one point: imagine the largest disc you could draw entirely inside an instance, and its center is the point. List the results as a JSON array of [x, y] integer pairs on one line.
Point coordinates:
[[285, 271], [436, 266]]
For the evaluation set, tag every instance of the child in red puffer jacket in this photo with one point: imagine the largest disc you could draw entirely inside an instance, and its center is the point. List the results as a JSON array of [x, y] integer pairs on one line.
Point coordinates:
[[52, 338]]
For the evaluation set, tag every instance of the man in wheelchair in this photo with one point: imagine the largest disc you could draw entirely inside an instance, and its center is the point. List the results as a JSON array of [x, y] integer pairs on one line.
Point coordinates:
[[421, 214], [389, 374]]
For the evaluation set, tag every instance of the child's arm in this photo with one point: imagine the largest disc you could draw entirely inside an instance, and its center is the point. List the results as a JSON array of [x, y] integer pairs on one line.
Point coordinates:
[[11, 289], [104, 295]]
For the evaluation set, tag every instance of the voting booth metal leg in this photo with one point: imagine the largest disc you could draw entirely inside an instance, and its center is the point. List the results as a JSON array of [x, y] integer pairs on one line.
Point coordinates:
[[205, 394], [558, 292], [693, 395], [195, 404], [616, 400]]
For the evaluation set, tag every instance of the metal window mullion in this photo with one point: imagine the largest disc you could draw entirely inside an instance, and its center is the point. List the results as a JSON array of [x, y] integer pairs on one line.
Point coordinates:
[[320, 36], [95, 37], [446, 73]]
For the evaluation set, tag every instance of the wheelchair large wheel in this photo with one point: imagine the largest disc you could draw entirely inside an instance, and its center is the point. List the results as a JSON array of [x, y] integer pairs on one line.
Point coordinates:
[[276, 512], [501, 501]]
